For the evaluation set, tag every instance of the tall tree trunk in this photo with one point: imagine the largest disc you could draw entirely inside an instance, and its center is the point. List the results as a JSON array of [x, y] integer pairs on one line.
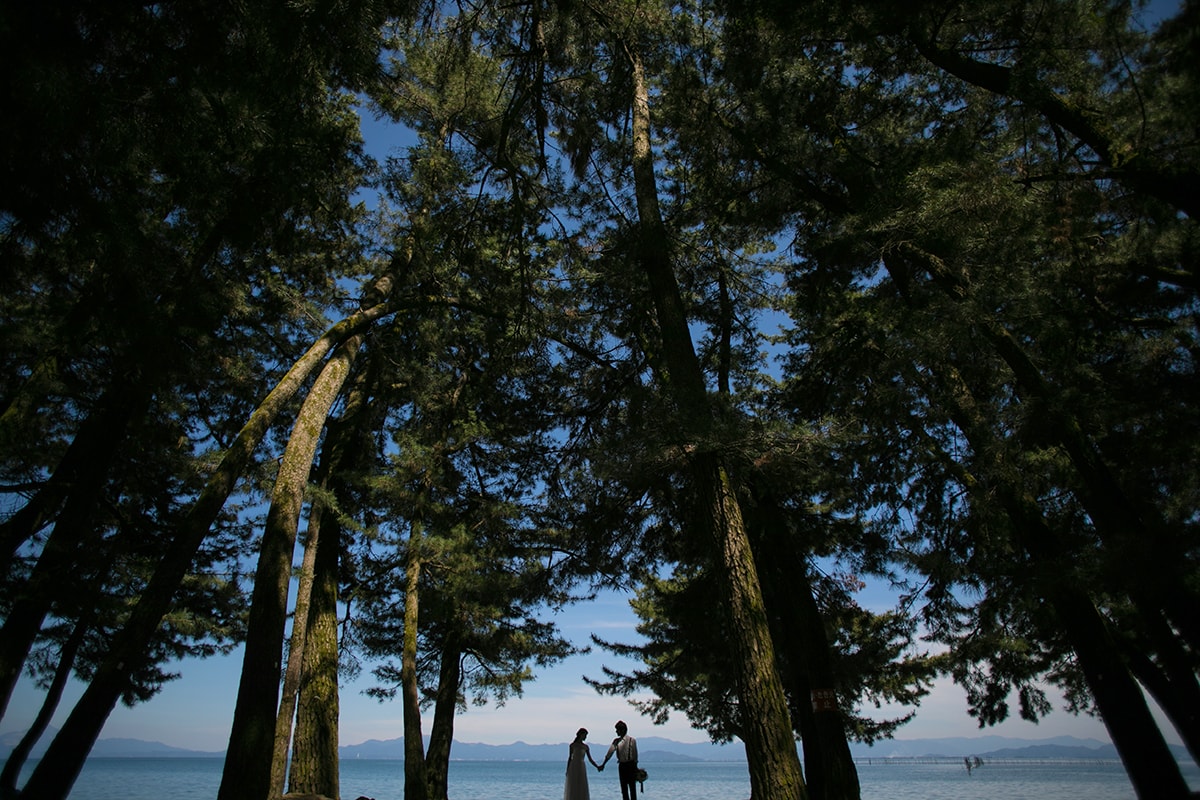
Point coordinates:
[[441, 735], [315, 745], [831, 774], [415, 784], [765, 725], [247, 772], [314, 764], [296, 645], [829, 769], [59, 767]]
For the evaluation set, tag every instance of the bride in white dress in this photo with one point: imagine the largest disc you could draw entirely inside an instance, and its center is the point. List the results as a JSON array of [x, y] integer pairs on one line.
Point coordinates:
[[577, 780]]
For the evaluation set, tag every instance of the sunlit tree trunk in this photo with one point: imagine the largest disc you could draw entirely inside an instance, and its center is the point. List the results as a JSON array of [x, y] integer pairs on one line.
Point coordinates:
[[247, 772], [296, 645], [415, 785], [314, 760], [314, 768], [765, 724], [441, 734]]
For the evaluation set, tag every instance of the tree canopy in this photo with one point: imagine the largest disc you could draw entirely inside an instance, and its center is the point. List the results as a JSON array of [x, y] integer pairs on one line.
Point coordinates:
[[738, 304]]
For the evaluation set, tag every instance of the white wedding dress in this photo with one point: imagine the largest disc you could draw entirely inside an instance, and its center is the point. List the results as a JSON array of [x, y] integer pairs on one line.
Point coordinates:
[[577, 779]]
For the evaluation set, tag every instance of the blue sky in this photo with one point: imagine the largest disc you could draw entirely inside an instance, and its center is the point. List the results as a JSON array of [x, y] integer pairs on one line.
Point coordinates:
[[195, 711]]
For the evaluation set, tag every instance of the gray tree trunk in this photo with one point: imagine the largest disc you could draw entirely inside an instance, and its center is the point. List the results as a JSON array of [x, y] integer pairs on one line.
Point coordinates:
[[415, 786], [765, 724], [248, 761]]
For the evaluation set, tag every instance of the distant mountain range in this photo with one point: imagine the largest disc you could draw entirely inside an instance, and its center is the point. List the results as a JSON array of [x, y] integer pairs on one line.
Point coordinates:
[[110, 748], [655, 749]]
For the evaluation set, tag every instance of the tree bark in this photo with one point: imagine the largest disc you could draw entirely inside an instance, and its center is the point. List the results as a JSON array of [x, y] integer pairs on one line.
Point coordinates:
[[315, 744], [766, 727], [296, 645], [829, 769], [415, 784], [441, 734], [248, 761]]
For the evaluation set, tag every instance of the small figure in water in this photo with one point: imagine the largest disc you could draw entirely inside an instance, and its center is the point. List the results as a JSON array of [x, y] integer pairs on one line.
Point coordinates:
[[967, 762]]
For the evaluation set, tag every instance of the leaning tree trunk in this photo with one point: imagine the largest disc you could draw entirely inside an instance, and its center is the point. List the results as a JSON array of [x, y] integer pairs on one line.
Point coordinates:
[[441, 734], [59, 767], [84, 465], [315, 744], [78, 484], [62, 673], [296, 645], [1152, 769], [764, 722], [52, 574], [1170, 678], [1127, 525], [314, 764], [415, 785], [248, 761], [1130, 526], [829, 769]]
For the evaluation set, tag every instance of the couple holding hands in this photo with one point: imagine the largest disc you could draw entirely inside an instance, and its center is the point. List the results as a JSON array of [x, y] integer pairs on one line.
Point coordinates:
[[624, 747]]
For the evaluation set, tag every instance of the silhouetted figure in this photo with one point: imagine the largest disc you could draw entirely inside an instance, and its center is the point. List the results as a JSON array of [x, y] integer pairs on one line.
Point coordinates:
[[576, 787], [625, 748]]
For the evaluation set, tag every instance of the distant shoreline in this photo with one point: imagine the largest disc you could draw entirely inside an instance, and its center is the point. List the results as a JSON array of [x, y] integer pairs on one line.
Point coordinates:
[[865, 761], [660, 750]]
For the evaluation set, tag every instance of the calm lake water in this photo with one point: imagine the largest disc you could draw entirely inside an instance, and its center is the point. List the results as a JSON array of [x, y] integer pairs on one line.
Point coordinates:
[[198, 778]]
